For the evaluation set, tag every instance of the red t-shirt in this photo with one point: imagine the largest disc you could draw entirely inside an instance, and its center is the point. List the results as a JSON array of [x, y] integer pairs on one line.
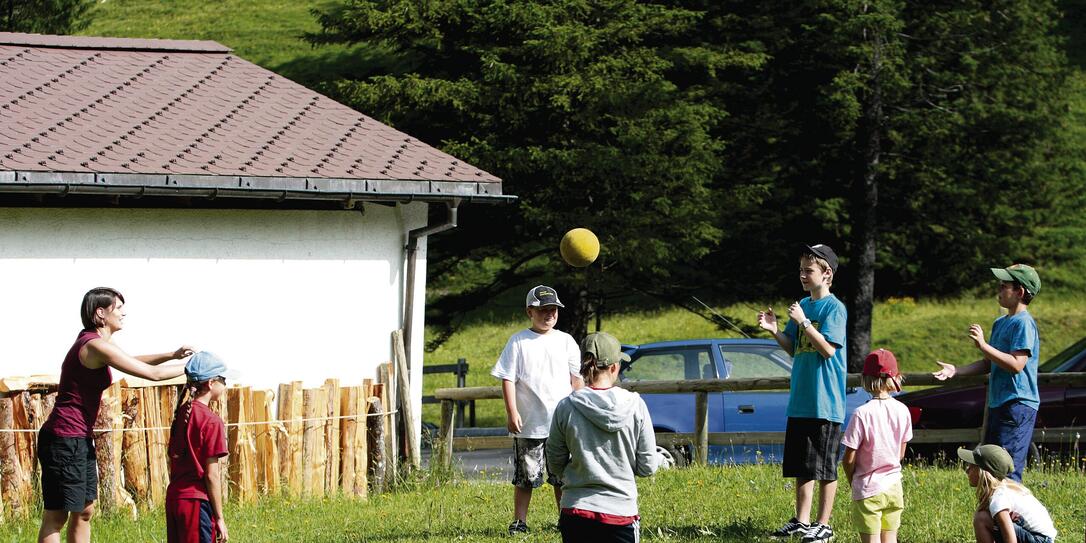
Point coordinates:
[[190, 449], [79, 393]]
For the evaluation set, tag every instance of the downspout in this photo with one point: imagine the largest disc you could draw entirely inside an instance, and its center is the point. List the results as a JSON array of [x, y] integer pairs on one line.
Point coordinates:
[[412, 249]]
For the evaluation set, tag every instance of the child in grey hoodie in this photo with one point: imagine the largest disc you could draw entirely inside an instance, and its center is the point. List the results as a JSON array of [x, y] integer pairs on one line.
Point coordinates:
[[601, 437]]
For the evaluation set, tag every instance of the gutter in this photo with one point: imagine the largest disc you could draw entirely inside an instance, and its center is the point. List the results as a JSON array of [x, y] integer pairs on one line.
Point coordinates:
[[411, 250]]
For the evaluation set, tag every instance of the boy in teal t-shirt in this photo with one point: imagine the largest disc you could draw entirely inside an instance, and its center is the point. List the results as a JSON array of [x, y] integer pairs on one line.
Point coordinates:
[[1011, 355], [815, 337]]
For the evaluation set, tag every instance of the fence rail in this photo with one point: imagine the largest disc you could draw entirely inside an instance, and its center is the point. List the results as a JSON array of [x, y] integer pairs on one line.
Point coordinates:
[[701, 438]]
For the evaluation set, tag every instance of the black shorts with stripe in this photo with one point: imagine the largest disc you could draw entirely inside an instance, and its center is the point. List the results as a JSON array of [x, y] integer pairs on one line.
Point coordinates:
[[811, 449]]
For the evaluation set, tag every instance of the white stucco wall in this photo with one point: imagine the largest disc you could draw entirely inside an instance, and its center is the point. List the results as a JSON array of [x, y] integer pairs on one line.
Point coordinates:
[[280, 295]]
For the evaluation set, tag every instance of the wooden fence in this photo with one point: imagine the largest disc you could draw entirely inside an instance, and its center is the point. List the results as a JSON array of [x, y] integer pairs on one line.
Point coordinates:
[[323, 441], [701, 438]]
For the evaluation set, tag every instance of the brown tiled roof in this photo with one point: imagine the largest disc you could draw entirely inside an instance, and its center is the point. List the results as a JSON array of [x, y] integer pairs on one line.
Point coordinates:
[[162, 108]]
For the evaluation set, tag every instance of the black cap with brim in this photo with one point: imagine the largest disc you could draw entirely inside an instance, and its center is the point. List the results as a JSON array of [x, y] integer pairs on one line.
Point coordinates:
[[824, 252]]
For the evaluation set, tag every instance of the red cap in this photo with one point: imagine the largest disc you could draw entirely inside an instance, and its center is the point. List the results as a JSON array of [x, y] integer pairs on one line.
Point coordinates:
[[881, 363]]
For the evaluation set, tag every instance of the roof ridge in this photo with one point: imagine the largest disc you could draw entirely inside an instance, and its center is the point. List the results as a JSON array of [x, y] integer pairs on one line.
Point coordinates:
[[122, 44]]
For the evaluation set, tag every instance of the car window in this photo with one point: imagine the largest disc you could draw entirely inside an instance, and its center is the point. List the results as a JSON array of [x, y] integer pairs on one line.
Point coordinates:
[[1061, 358], [750, 363], [670, 364]]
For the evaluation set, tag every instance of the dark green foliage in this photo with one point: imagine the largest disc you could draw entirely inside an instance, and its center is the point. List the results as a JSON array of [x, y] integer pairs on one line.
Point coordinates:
[[45, 16], [704, 141], [575, 104]]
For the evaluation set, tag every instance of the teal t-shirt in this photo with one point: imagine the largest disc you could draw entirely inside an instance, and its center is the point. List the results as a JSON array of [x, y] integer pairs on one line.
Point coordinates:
[[1015, 333], [818, 384]]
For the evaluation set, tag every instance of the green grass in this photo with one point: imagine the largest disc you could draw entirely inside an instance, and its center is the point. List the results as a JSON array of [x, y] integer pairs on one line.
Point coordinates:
[[713, 504], [919, 332], [265, 32]]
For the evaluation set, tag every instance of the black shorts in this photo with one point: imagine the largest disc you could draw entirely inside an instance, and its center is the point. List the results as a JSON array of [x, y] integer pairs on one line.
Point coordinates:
[[811, 447], [576, 529], [69, 472]]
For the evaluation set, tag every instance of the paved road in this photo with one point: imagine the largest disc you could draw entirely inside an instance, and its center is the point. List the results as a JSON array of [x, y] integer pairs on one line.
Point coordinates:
[[492, 464]]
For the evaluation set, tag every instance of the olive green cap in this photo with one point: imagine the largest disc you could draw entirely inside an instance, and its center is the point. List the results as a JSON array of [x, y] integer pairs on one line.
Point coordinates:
[[991, 458], [1021, 274], [605, 348]]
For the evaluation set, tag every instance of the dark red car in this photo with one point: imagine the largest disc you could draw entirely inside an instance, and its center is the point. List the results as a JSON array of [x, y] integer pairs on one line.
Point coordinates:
[[1061, 405]]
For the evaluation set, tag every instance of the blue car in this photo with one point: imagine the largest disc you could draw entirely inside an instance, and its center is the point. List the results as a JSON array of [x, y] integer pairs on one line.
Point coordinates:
[[754, 411]]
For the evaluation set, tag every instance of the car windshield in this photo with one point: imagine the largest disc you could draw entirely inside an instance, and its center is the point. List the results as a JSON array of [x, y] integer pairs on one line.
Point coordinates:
[[1060, 359]]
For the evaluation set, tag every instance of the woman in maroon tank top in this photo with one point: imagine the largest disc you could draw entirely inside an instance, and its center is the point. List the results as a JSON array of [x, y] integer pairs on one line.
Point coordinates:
[[69, 481]]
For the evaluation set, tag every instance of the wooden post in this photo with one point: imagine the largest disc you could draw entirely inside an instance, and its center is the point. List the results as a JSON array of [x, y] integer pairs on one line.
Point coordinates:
[[331, 437], [266, 450], [24, 441], [375, 423], [290, 440], [353, 441], [240, 443], [406, 406], [134, 456], [108, 443], [220, 408], [445, 434], [13, 485], [313, 455], [157, 445], [701, 428]]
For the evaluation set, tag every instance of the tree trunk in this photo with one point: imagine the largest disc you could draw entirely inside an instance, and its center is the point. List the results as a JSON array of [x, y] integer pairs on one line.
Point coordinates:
[[866, 224]]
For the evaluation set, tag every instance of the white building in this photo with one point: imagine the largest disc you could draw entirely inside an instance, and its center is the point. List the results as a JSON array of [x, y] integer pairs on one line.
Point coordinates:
[[235, 210]]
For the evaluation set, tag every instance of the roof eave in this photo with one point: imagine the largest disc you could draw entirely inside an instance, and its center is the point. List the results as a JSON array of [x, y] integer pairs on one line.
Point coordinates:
[[234, 186]]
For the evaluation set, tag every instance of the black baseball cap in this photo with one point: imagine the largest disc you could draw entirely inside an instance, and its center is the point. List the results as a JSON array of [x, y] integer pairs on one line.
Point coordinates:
[[824, 252], [542, 295]]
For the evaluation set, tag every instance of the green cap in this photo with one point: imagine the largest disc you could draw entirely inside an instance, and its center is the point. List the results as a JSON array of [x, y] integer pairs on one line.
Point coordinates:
[[1021, 274], [991, 458], [605, 348]]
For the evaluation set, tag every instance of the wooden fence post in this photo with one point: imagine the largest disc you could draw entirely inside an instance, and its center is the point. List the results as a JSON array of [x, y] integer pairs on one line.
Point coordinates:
[[331, 436], [701, 428], [375, 423], [240, 443], [12, 484], [291, 402], [134, 443], [112, 496], [445, 434], [313, 455], [266, 451], [406, 406]]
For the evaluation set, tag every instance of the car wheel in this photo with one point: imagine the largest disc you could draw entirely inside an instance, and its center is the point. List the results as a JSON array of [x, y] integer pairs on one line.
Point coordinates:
[[1033, 456], [678, 454]]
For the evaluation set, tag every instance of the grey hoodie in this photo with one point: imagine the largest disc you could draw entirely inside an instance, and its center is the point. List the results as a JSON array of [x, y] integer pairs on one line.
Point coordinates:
[[599, 440]]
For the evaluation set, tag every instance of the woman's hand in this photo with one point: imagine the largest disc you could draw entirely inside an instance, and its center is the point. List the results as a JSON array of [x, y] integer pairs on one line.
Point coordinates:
[[183, 351]]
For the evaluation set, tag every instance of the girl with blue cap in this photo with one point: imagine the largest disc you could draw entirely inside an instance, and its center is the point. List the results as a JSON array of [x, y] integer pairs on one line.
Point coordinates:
[[194, 512]]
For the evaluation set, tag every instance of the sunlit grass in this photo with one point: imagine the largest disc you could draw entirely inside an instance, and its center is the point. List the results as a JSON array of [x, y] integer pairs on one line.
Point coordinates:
[[713, 504]]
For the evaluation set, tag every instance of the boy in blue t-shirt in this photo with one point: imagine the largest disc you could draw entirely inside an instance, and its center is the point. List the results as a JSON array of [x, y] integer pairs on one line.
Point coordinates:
[[1011, 355], [815, 337]]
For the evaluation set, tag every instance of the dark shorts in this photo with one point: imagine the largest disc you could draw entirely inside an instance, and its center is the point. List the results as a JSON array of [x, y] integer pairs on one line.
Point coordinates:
[[529, 463], [189, 521], [811, 448], [577, 529], [69, 472], [1011, 426]]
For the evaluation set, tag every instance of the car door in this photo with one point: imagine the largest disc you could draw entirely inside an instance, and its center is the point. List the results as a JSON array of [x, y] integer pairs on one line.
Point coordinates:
[[674, 412], [755, 410]]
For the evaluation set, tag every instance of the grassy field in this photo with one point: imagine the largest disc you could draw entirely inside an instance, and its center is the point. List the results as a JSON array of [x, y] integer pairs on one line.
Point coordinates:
[[917, 332], [714, 504], [265, 32]]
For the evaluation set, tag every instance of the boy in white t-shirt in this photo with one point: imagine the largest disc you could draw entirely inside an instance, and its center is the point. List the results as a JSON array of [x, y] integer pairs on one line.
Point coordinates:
[[874, 445], [538, 367]]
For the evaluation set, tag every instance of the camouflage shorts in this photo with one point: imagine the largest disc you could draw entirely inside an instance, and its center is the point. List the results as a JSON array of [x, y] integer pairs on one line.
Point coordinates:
[[529, 461]]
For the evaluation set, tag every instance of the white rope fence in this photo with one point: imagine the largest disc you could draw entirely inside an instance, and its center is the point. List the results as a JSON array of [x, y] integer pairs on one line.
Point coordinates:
[[229, 425]]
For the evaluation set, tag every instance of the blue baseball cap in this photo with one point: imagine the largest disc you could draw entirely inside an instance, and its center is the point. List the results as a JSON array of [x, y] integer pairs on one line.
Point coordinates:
[[204, 366]]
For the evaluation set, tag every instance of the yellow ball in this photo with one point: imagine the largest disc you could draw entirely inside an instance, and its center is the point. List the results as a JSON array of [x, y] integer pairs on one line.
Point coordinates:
[[579, 247]]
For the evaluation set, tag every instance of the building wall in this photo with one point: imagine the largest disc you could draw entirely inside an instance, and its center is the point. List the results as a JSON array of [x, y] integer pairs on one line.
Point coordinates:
[[281, 295]]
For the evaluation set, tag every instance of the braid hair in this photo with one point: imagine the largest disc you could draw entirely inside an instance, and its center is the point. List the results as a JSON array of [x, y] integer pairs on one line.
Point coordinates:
[[183, 410], [589, 371]]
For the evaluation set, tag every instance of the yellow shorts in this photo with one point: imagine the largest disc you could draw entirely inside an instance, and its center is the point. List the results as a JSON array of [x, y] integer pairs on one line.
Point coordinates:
[[879, 513]]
